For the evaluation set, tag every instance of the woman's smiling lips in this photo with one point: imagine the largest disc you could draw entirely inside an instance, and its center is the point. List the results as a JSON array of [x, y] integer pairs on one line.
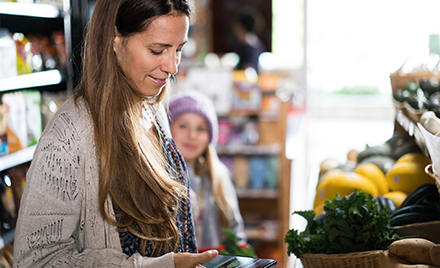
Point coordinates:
[[159, 81]]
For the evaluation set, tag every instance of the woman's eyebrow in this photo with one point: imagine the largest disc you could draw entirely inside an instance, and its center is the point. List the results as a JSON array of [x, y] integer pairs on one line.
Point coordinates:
[[167, 45]]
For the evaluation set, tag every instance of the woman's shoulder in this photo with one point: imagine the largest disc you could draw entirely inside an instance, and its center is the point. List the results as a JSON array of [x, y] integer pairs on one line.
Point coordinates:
[[73, 112], [72, 121]]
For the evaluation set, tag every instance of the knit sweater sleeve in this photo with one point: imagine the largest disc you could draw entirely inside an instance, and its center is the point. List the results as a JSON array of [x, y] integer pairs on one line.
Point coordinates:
[[59, 223]]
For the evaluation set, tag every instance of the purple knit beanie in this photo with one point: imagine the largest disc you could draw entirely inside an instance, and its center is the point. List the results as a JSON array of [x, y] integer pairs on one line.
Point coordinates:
[[191, 101]]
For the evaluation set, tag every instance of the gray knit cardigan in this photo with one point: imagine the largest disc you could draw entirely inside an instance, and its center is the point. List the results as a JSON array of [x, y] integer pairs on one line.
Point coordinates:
[[59, 223]]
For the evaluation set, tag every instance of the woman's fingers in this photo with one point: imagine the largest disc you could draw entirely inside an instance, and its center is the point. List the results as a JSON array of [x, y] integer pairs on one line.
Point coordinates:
[[208, 256], [191, 260]]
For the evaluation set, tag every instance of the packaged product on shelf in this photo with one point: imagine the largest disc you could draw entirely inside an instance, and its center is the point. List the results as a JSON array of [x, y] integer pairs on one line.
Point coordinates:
[[16, 121], [246, 91], [4, 148], [250, 134], [215, 83], [241, 172], [8, 54], [272, 173], [224, 131], [229, 163], [257, 172], [49, 53], [33, 115], [24, 53], [60, 45], [44, 51], [37, 59]]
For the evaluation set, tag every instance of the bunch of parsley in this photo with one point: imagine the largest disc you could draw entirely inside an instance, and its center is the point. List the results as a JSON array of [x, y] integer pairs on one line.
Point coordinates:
[[351, 224]]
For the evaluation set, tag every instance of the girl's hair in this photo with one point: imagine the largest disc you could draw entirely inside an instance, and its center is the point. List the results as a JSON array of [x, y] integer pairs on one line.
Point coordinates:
[[217, 172], [133, 170]]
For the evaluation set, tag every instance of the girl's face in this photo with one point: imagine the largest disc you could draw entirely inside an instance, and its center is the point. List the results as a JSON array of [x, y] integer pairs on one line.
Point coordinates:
[[191, 135], [149, 58]]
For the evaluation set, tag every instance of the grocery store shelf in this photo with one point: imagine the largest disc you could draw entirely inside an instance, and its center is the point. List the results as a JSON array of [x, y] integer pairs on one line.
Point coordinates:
[[37, 79], [17, 158], [260, 194], [32, 10], [272, 149]]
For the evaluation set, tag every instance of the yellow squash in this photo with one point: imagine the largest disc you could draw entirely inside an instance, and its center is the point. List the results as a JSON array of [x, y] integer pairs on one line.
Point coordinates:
[[343, 183], [397, 196], [320, 196], [414, 158], [407, 176], [375, 175]]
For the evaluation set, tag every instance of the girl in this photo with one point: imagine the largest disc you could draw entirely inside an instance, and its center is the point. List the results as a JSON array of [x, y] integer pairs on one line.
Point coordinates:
[[195, 130]]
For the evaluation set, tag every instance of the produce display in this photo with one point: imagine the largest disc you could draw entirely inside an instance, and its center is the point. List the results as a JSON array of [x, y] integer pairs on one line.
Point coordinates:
[[393, 173], [420, 95], [355, 232], [351, 224], [399, 202]]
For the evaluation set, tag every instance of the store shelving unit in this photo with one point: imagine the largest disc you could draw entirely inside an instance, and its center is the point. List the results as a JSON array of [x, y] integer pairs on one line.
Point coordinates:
[[34, 19], [43, 19], [267, 207], [30, 10], [17, 158], [18, 17], [38, 79]]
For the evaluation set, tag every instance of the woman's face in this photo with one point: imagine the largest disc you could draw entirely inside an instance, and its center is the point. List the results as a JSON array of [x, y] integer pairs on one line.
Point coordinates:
[[149, 58], [191, 134]]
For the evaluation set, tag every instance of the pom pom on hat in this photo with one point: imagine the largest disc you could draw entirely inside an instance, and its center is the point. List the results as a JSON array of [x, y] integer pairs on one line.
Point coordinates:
[[191, 101]]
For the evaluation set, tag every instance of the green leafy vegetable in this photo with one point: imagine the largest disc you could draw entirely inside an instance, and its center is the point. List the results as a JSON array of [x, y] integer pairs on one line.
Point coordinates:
[[351, 224], [233, 248]]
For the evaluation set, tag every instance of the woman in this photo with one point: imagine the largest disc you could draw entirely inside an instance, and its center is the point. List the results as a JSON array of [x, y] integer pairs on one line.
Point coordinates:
[[107, 187], [194, 128]]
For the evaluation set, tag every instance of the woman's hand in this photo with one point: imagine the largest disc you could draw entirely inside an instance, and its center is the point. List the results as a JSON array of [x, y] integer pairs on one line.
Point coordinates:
[[191, 260]]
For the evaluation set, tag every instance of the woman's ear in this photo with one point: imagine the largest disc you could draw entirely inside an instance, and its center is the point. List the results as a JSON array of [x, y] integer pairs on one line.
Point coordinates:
[[117, 40]]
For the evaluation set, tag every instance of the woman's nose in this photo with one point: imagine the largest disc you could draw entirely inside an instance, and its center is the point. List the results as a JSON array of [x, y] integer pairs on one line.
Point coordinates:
[[171, 63]]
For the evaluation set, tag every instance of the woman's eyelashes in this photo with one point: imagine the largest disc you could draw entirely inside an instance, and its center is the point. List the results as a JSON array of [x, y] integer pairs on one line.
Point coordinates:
[[157, 53], [154, 52]]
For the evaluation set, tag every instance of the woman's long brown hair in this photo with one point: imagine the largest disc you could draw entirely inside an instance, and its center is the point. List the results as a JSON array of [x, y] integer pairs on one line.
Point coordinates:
[[133, 170]]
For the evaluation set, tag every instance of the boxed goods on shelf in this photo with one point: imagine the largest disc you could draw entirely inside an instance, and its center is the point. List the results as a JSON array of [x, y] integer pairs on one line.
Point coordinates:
[[24, 125], [8, 54]]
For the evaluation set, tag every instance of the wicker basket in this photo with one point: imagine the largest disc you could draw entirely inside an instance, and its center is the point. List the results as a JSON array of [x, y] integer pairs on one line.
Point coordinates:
[[399, 80], [366, 259]]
